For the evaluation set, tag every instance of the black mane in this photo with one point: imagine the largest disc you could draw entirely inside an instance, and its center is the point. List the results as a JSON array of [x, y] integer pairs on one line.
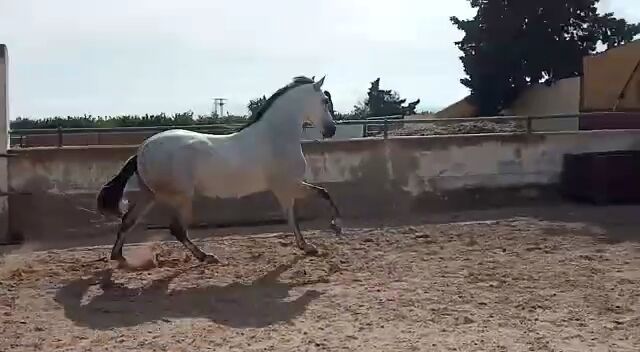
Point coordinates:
[[297, 81]]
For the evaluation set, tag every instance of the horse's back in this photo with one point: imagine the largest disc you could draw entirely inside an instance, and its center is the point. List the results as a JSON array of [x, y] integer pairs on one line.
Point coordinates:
[[172, 144]]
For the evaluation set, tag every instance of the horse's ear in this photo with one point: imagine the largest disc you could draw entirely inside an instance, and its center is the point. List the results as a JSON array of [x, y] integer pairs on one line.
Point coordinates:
[[319, 84], [328, 95]]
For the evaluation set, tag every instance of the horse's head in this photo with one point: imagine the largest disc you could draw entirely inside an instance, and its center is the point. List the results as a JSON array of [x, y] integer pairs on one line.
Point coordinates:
[[320, 110]]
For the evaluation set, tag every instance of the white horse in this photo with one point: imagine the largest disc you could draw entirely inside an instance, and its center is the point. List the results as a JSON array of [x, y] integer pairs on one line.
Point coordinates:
[[264, 155]]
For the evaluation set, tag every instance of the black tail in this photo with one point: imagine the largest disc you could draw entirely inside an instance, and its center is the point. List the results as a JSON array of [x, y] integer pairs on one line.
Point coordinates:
[[111, 193]]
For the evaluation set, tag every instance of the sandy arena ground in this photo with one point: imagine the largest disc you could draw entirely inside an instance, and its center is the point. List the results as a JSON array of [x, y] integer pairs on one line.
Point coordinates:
[[517, 284]]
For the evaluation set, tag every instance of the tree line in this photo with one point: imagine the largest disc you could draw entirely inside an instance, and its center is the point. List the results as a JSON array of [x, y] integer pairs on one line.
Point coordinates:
[[379, 102], [88, 121]]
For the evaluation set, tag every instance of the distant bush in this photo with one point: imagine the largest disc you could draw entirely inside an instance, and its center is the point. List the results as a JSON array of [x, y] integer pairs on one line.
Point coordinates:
[[147, 120]]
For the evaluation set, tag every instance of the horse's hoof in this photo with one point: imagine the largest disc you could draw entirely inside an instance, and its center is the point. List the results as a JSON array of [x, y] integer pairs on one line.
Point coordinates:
[[210, 259], [310, 250], [117, 258], [336, 226], [120, 263]]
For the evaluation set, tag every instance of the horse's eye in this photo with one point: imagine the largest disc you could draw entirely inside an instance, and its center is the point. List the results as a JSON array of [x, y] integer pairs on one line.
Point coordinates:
[[325, 101]]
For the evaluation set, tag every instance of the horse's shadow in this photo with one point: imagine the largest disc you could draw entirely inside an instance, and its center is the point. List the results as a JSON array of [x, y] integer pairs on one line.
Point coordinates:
[[259, 303]]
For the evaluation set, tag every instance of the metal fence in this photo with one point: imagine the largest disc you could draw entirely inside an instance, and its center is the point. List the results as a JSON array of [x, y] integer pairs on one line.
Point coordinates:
[[378, 126], [386, 122]]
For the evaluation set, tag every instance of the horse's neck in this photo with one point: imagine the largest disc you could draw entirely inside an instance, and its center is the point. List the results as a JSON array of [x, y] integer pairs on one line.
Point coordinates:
[[282, 125]]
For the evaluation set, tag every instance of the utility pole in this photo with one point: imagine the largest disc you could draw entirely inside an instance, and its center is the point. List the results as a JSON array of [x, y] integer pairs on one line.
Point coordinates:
[[222, 102], [214, 109], [218, 102]]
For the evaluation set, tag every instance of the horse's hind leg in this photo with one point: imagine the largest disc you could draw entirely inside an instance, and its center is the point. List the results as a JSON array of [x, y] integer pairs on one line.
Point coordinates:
[[135, 211], [178, 229]]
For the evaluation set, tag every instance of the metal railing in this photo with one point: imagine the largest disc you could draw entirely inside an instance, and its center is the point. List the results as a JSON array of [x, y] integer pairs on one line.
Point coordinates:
[[381, 125], [385, 121], [59, 132]]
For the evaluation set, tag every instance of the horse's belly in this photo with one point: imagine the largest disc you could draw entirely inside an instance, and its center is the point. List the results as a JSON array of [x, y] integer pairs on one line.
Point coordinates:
[[231, 185]]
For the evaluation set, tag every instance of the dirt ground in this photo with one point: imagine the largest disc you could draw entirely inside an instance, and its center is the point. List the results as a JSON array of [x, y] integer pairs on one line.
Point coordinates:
[[517, 284]]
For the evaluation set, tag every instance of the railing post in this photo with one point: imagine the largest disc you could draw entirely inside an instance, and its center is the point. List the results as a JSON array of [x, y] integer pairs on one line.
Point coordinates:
[[385, 128], [6, 235], [529, 127], [59, 136]]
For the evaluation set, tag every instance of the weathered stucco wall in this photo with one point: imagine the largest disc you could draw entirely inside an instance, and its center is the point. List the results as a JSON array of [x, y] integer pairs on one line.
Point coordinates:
[[368, 177]]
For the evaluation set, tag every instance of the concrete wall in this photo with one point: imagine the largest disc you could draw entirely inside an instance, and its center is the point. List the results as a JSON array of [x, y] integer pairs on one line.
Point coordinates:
[[343, 132], [562, 97], [368, 177]]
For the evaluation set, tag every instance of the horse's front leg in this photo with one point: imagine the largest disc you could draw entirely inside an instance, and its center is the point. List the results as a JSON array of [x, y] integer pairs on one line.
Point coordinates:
[[336, 221]]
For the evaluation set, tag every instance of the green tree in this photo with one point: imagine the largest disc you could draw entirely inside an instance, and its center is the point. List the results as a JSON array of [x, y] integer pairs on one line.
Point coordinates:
[[383, 102], [511, 44], [255, 104]]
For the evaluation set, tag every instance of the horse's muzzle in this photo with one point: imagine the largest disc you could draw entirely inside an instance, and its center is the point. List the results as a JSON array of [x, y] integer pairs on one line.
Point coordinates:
[[328, 129]]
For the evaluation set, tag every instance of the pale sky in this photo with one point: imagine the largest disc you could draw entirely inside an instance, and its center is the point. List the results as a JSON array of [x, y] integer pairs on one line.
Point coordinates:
[[70, 57]]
